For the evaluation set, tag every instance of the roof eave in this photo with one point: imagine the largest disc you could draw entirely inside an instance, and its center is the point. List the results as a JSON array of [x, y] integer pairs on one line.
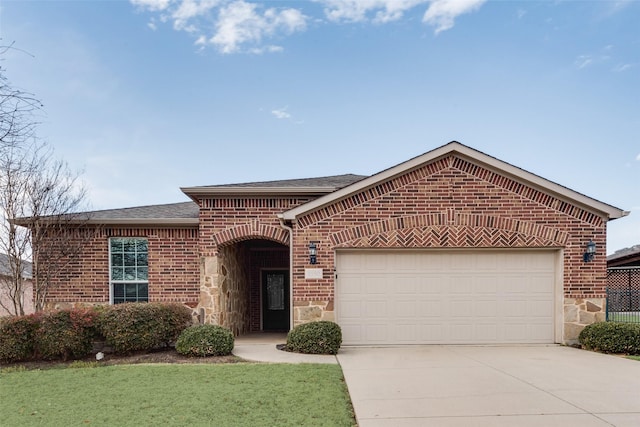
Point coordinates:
[[256, 191], [159, 222], [162, 222]]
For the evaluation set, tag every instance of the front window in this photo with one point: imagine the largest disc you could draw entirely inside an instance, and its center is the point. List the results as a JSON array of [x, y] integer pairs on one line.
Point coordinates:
[[128, 269]]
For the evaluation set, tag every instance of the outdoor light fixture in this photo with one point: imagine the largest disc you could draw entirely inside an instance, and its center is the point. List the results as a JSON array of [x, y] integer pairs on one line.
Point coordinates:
[[590, 252], [313, 251]]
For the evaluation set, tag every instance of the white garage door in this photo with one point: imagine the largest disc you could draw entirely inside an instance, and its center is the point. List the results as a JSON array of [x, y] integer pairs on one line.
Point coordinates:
[[446, 297]]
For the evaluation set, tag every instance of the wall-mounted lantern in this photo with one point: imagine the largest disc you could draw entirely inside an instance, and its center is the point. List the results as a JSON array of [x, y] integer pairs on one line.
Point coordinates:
[[313, 253], [590, 252]]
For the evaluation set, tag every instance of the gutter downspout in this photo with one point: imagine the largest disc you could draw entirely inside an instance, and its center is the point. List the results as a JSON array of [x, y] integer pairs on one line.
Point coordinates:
[[290, 230]]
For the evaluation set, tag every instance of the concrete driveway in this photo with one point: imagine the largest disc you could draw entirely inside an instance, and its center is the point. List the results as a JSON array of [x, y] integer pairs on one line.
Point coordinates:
[[491, 386]]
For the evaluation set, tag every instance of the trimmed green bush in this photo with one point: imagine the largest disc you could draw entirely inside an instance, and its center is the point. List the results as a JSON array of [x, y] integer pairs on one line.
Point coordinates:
[[611, 337], [321, 337], [143, 326], [17, 338], [175, 319], [205, 340], [66, 334]]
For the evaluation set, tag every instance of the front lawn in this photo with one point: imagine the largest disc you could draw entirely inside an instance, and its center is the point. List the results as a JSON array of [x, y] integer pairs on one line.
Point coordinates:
[[177, 395]]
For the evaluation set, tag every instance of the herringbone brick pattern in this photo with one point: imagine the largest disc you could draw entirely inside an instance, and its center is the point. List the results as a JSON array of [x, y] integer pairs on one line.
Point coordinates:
[[448, 237], [466, 230]]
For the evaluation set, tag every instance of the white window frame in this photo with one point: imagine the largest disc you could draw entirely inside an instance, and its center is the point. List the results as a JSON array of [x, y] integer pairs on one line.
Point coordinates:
[[124, 281]]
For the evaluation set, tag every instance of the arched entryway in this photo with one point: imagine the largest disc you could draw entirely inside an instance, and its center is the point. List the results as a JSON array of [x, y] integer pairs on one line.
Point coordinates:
[[246, 287]]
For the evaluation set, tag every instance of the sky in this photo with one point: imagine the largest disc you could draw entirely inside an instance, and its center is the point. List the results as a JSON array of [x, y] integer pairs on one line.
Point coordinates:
[[147, 96]]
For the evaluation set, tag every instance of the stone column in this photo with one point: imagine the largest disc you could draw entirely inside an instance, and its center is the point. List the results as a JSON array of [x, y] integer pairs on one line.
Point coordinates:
[[209, 302], [580, 312]]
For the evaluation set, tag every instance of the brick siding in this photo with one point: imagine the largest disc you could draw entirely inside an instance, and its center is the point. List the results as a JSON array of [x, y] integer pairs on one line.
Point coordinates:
[[451, 203], [174, 269]]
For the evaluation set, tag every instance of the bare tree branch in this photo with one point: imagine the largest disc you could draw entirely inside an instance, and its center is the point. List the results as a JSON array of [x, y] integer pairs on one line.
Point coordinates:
[[39, 198]]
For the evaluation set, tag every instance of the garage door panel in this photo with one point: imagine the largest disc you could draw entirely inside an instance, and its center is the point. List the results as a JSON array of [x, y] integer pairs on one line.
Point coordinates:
[[375, 285], [433, 284], [488, 332], [406, 309], [350, 311], [404, 284], [376, 333], [460, 285], [430, 297]]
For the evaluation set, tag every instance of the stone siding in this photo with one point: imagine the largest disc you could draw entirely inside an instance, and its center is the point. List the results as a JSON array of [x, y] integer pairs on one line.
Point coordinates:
[[579, 312]]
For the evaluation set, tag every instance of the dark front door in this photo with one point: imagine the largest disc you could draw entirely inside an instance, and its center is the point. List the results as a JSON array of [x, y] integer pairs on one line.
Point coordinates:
[[275, 300]]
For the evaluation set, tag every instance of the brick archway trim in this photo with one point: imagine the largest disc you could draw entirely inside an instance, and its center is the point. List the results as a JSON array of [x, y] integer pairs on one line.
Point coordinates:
[[450, 229], [251, 230]]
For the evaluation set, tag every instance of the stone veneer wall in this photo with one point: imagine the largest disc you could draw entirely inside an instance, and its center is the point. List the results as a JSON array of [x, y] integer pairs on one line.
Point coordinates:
[[312, 311], [452, 203], [224, 295], [580, 312]]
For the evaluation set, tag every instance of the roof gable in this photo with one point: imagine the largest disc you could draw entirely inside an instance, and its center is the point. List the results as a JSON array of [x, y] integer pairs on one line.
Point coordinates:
[[471, 155]]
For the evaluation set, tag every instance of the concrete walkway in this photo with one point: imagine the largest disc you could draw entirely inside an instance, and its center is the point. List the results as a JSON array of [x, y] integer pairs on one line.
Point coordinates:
[[261, 347], [451, 386]]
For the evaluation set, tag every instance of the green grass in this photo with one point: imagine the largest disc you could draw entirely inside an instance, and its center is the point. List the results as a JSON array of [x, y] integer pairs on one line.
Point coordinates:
[[177, 395], [634, 357]]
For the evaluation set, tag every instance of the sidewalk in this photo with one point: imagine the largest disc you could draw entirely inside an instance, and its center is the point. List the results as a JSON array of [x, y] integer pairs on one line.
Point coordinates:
[[261, 347]]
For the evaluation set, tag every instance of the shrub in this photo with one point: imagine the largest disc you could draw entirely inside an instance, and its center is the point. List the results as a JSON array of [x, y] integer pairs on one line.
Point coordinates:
[[611, 337], [175, 319], [321, 337], [205, 340], [66, 334], [143, 326], [17, 338]]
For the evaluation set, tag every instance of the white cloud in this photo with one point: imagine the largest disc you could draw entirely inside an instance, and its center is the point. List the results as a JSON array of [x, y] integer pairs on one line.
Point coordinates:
[[606, 56], [583, 61], [152, 5], [442, 13], [281, 113], [233, 26], [242, 23], [266, 49], [638, 157], [358, 10], [621, 67], [229, 25], [190, 9]]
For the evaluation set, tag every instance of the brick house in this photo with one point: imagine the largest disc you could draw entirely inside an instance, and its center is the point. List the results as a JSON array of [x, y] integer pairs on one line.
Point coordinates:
[[453, 246]]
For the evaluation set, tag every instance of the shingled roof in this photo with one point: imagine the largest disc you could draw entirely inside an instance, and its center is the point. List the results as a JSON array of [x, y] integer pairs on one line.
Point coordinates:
[[184, 210], [335, 181], [306, 186], [186, 213]]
